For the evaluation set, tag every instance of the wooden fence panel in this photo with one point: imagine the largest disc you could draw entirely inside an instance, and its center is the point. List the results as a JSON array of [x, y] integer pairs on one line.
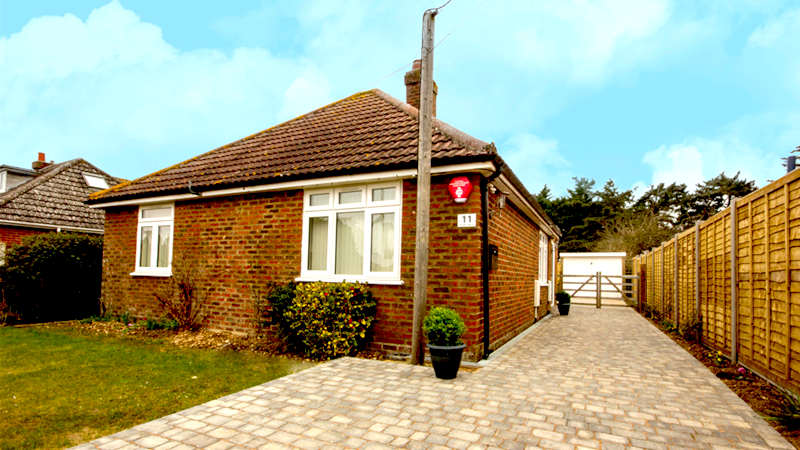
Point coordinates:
[[766, 255]]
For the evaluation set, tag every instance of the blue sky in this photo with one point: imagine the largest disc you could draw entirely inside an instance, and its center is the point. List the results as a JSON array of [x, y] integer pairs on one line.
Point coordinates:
[[634, 91]]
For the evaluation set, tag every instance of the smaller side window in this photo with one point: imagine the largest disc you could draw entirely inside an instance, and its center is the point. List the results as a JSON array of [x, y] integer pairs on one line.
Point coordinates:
[[154, 240], [543, 243]]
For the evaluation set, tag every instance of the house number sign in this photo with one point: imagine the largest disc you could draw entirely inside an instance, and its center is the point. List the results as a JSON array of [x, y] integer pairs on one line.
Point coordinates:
[[466, 220]]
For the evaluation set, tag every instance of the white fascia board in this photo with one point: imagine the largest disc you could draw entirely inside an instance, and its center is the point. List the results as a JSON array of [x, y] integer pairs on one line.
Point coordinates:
[[42, 226], [487, 166], [595, 255]]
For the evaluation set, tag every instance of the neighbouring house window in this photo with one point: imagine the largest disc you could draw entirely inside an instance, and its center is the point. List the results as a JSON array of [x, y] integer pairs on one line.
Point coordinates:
[[154, 240], [352, 233], [95, 181], [543, 241]]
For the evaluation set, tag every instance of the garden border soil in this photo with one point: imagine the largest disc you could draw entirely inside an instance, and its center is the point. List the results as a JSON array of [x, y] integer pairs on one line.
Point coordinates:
[[765, 398]]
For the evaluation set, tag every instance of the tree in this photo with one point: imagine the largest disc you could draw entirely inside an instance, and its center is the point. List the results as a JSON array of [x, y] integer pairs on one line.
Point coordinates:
[[670, 203], [633, 234], [590, 218], [715, 194]]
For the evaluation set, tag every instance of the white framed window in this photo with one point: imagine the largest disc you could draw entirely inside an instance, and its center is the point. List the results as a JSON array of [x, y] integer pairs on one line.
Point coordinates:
[[352, 233], [154, 240], [543, 241], [95, 181]]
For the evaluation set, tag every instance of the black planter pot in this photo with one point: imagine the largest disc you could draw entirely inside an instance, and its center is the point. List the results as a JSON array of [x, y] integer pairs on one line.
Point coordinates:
[[446, 360], [563, 309]]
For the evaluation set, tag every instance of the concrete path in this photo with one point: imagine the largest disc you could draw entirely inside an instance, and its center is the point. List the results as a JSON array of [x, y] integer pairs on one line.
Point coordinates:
[[593, 379]]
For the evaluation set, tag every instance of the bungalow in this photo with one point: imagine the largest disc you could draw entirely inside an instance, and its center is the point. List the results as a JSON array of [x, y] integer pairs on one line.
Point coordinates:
[[331, 195], [49, 198]]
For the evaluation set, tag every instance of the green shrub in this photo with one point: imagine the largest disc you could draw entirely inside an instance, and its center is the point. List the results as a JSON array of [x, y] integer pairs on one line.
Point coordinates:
[[443, 326], [323, 320], [562, 298], [53, 276], [160, 324], [280, 298]]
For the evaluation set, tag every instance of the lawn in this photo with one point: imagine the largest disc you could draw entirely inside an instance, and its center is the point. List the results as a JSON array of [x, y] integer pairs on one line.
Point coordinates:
[[59, 388]]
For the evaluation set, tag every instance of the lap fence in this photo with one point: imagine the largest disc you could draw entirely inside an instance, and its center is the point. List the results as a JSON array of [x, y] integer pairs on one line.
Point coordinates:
[[737, 274]]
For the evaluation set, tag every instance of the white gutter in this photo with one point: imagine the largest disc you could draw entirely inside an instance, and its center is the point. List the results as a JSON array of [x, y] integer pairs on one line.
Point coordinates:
[[49, 227], [303, 184]]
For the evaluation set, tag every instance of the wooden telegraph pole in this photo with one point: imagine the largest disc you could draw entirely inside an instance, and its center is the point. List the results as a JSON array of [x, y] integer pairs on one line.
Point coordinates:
[[423, 186]]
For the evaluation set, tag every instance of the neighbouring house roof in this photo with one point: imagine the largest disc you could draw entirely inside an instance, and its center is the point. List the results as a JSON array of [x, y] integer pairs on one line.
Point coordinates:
[[55, 198], [16, 170], [367, 132]]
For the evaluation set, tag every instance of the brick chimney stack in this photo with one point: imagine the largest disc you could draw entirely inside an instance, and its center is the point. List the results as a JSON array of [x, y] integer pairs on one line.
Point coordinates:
[[40, 163], [414, 86]]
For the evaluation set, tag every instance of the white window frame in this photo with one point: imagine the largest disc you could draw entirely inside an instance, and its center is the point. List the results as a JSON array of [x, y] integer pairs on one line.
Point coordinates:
[[3, 177], [369, 208], [153, 270], [543, 253]]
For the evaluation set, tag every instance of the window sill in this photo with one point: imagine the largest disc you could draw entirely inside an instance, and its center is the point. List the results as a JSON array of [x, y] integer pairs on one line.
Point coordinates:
[[389, 282], [158, 274]]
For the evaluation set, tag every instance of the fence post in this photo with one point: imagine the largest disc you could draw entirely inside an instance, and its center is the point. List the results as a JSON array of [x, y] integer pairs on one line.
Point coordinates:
[[597, 280], [637, 273], [675, 280], [663, 305], [734, 283], [697, 272]]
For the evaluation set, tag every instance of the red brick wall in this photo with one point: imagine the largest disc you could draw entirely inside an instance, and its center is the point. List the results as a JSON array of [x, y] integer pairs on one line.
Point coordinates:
[[454, 270], [13, 235], [512, 284], [246, 241], [239, 243]]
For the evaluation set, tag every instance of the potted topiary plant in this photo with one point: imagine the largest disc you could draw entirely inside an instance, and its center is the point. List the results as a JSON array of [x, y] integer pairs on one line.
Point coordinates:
[[563, 300], [443, 328]]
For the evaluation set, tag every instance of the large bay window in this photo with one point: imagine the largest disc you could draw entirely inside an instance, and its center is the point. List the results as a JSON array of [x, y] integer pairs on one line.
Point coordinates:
[[154, 240], [352, 234]]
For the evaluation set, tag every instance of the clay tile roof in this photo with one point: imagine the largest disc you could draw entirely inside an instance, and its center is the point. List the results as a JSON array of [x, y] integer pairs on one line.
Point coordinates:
[[368, 131], [55, 197]]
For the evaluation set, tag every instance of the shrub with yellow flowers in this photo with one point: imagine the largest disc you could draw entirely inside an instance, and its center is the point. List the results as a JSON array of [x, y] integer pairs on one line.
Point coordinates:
[[326, 320]]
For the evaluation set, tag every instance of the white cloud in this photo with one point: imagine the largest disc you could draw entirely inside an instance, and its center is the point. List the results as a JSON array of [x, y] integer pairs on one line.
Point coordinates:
[[111, 90], [752, 146], [774, 46], [306, 93], [682, 163], [537, 163]]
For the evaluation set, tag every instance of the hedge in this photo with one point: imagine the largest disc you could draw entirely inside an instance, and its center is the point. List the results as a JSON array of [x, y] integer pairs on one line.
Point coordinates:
[[53, 276]]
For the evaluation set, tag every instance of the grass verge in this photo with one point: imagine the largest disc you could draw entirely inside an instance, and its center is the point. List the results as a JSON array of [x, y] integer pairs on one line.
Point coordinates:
[[59, 388]]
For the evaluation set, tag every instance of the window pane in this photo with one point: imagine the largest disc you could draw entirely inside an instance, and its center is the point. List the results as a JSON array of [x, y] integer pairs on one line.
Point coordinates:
[[154, 213], [350, 197], [163, 246], [95, 181], [318, 199], [350, 243], [383, 194], [382, 242], [317, 243], [145, 246]]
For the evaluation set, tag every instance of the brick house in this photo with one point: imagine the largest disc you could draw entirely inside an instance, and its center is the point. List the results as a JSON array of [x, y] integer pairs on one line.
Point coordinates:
[[331, 195], [50, 197]]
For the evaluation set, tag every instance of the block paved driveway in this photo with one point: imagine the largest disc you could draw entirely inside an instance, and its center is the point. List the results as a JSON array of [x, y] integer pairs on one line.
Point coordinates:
[[593, 379]]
